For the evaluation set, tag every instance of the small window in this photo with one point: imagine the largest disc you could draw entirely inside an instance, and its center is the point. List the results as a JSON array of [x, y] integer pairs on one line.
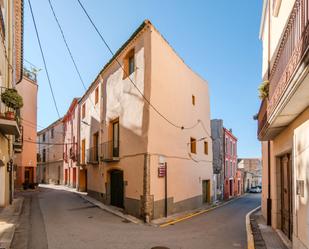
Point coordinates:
[[193, 100], [43, 137], [206, 148], [226, 168], [52, 133], [193, 145], [84, 110], [96, 95], [131, 64]]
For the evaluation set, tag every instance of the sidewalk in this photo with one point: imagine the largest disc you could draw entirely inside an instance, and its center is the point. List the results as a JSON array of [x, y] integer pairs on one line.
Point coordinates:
[[8, 219], [265, 237]]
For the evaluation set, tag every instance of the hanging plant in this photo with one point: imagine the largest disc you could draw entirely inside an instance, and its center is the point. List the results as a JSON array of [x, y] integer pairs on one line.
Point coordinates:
[[264, 90], [12, 99]]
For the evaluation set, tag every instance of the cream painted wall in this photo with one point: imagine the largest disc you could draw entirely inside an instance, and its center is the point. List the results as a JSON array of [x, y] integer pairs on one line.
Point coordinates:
[[285, 143], [172, 85], [54, 153], [301, 162]]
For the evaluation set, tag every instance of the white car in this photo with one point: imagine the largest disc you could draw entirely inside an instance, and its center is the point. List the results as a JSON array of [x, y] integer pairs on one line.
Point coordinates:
[[255, 189]]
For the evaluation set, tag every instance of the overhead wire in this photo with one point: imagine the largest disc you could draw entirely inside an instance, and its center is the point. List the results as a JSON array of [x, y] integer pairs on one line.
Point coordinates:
[[128, 76], [43, 57], [70, 53]]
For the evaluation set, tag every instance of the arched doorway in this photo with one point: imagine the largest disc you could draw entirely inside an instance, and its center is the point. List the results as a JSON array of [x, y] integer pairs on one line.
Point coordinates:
[[116, 187]]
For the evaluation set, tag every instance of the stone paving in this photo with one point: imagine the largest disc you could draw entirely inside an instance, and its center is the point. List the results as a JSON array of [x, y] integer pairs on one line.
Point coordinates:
[[9, 217], [265, 237]]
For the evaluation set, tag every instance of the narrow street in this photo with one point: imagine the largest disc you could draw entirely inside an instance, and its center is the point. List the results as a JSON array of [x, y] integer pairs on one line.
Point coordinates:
[[57, 219]]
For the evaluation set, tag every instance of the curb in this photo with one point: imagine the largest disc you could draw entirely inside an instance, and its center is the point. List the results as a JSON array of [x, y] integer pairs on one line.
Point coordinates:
[[193, 214], [250, 239]]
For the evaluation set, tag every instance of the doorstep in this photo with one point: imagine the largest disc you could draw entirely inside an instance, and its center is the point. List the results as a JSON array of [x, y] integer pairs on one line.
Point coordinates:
[[8, 219], [265, 237]]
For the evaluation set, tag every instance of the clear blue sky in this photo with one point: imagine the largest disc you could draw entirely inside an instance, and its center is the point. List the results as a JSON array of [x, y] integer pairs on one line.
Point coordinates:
[[217, 39]]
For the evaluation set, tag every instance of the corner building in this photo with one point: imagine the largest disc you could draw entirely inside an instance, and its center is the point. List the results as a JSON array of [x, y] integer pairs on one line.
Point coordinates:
[[134, 158]]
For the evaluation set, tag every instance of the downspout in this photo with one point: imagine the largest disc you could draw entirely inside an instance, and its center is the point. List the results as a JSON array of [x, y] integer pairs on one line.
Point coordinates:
[[269, 203]]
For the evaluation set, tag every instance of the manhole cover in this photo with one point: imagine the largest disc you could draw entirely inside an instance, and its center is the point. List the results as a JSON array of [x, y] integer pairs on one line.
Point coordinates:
[[159, 247]]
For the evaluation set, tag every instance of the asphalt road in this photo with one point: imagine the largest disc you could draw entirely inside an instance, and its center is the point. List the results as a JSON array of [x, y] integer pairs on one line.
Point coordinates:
[[57, 219]]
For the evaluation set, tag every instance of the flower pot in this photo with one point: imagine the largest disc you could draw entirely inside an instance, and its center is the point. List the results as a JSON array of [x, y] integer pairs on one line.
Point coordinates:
[[10, 115]]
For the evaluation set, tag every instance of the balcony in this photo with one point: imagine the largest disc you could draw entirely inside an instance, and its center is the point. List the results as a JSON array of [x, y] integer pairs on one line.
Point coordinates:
[[31, 75], [2, 26], [18, 143], [288, 80], [93, 155], [9, 118], [110, 151], [73, 154]]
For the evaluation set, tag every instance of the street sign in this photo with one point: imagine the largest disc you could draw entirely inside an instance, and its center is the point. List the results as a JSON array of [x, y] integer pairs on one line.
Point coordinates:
[[161, 170]]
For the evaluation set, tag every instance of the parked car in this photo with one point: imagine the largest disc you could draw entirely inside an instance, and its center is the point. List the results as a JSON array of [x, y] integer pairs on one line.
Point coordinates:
[[255, 189]]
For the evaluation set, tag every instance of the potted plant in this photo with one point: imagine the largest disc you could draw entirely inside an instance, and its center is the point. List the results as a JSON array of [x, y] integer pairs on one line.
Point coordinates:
[[13, 100], [264, 90]]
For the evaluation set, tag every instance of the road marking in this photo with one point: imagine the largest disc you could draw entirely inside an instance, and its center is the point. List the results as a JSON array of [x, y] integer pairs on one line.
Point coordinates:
[[186, 217]]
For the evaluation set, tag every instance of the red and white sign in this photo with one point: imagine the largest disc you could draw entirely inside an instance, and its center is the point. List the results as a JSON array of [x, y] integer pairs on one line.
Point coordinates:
[[161, 170]]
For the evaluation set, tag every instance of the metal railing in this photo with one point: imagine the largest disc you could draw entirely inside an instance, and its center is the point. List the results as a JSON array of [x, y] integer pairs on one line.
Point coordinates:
[[293, 46], [262, 116], [30, 74], [93, 155], [110, 151], [2, 25], [5, 111]]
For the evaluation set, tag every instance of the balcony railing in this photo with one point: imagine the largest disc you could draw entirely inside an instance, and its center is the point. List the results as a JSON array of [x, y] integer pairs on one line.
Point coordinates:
[[291, 51], [93, 155], [262, 116], [110, 151], [29, 74], [9, 118], [2, 26]]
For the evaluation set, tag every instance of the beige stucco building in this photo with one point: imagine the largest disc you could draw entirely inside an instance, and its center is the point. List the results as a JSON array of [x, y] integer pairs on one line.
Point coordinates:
[[71, 170], [252, 172], [11, 17], [26, 159], [50, 153], [125, 143], [283, 119]]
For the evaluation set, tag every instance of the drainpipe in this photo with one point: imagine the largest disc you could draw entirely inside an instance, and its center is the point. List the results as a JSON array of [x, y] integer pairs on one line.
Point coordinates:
[[268, 142], [146, 210]]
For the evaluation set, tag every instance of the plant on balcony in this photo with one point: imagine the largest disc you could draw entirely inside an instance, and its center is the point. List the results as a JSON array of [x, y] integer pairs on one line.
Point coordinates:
[[13, 100], [264, 90]]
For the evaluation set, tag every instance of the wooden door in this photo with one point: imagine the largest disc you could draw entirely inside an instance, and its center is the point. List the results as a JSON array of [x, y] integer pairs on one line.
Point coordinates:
[[83, 151], [206, 191], [116, 177], [286, 195]]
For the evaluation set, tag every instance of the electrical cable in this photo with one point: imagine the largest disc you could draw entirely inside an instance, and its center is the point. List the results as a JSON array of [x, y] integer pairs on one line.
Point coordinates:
[[126, 74], [43, 57], [70, 53]]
